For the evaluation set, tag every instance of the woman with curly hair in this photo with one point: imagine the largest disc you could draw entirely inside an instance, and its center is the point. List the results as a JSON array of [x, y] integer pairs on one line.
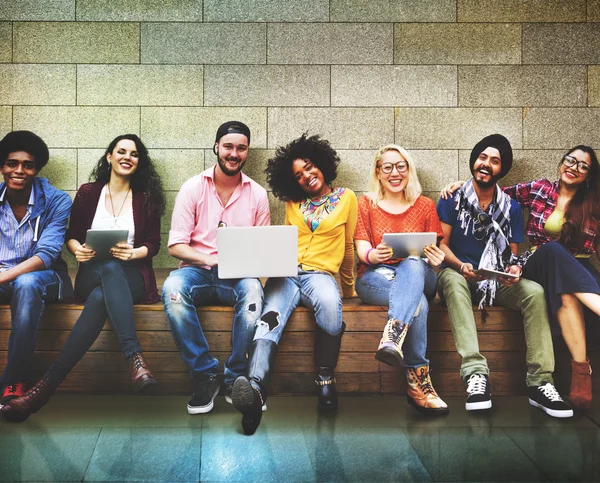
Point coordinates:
[[126, 193], [301, 174], [394, 204], [564, 218]]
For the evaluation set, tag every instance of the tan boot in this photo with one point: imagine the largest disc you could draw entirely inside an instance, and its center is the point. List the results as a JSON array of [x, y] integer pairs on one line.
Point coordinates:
[[581, 385], [421, 393], [390, 346]]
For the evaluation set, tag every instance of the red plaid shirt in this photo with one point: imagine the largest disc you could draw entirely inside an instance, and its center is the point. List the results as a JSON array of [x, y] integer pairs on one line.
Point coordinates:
[[540, 197]]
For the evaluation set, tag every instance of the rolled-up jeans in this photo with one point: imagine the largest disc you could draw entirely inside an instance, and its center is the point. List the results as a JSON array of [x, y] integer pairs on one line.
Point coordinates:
[[190, 286], [406, 289]]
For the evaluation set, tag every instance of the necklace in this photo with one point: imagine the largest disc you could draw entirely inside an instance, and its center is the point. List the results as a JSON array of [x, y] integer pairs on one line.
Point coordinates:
[[116, 217], [319, 200]]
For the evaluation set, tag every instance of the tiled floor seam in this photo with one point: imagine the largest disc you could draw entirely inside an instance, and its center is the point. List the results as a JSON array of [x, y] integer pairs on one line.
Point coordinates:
[[547, 477]]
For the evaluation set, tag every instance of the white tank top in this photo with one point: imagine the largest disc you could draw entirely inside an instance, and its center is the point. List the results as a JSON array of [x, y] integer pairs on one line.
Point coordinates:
[[103, 220]]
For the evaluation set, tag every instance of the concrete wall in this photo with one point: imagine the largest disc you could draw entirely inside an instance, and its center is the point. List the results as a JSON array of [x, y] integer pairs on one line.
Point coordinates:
[[432, 75]]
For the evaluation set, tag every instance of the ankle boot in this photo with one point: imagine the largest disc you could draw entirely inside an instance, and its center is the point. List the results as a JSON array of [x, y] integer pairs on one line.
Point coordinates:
[[581, 385], [390, 346], [421, 394], [141, 377], [250, 393], [327, 351], [19, 409]]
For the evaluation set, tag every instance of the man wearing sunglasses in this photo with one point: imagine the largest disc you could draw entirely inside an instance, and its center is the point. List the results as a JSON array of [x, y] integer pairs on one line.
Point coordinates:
[[482, 229]]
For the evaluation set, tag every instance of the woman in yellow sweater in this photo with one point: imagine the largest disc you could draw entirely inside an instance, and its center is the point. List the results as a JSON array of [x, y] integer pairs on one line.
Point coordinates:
[[301, 174]]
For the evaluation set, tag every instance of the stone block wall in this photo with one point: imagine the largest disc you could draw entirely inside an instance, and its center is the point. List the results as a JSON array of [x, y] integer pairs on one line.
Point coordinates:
[[432, 75]]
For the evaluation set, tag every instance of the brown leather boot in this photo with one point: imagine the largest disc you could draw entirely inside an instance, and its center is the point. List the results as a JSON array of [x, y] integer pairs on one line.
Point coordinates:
[[19, 409], [421, 394], [141, 377], [581, 385]]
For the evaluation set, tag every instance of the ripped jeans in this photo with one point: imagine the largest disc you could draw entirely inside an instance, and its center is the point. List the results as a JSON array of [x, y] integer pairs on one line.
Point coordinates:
[[316, 290], [406, 288], [190, 286]]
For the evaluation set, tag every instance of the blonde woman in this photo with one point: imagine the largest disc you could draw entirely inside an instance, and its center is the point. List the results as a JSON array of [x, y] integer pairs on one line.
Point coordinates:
[[394, 205]]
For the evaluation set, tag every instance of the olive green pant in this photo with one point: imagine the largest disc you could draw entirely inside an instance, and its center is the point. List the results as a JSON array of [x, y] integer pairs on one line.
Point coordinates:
[[526, 297]]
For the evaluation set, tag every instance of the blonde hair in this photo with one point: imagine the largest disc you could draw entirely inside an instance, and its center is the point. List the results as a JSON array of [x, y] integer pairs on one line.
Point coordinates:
[[413, 188]]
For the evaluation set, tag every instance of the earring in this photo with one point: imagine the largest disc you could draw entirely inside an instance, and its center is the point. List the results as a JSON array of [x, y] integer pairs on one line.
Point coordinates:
[[109, 165]]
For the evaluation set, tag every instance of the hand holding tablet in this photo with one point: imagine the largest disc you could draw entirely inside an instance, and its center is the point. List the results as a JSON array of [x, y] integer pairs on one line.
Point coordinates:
[[494, 274], [101, 241], [409, 244]]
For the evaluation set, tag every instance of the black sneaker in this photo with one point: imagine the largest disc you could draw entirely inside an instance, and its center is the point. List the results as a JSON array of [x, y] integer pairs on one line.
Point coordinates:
[[548, 399], [479, 392], [206, 387]]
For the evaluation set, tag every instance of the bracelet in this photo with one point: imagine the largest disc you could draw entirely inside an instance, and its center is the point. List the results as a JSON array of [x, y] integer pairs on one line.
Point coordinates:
[[461, 268], [368, 262]]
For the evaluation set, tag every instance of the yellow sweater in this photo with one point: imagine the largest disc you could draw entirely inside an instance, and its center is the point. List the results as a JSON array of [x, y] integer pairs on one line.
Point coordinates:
[[330, 248]]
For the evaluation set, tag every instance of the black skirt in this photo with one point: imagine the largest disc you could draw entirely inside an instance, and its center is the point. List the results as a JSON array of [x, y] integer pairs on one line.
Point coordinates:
[[559, 272]]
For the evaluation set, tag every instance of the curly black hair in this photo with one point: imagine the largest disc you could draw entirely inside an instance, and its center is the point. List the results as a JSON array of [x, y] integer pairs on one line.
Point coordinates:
[[279, 170], [145, 179], [24, 141]]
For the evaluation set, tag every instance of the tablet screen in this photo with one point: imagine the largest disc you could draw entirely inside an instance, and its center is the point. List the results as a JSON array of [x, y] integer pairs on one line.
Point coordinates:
[[101, 241], [406, 244]]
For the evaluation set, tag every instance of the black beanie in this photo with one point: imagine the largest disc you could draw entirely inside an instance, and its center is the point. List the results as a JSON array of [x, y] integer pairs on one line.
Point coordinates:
[[232, 127], [499, 142]]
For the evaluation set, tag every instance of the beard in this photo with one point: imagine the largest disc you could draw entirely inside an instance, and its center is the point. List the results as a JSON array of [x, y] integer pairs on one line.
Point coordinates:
[[227, 171], [485, 184]]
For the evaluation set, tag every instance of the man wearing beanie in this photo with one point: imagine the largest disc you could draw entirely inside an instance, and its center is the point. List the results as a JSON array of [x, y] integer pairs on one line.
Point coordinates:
[[482, 228], [220, 196], [33, 222]]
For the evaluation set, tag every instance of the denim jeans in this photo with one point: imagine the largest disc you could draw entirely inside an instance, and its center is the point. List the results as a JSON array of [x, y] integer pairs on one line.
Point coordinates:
[[527, 297], [26, 294], [190, 286], [406, 288], [110, 288], [316, 290]]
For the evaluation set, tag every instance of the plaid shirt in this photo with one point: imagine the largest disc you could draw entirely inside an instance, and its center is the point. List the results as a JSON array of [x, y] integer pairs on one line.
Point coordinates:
[[540, 197]]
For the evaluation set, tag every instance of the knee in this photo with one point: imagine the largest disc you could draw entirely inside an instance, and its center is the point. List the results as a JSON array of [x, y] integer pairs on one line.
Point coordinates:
[[411, 267], [551, 249], [28, 284], [250, 291], [111, 268], [534, 292], [174, 289], [569, 301]]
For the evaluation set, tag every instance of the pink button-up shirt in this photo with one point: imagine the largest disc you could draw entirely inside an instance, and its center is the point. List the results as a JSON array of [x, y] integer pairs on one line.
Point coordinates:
[[198, 211]]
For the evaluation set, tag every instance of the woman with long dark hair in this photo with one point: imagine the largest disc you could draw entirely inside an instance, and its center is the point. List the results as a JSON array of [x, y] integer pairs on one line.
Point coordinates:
[[301, 174], [126, 193], [564, 218]]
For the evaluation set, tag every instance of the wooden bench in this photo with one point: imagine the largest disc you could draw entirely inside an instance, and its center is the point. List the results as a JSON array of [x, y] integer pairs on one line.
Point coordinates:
[[103, 369]]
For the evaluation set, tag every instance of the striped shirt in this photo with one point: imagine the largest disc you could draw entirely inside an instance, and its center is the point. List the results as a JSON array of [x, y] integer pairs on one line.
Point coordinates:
[[17, 242]]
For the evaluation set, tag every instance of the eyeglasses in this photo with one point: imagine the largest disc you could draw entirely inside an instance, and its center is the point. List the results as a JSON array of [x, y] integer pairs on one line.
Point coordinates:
[[387, 168], [571, 161]]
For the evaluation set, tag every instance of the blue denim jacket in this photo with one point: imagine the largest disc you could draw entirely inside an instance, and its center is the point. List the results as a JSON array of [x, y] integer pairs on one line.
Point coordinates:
[[50, 216]]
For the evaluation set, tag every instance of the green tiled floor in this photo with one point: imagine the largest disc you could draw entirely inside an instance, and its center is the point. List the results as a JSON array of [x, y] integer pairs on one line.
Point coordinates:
[[128, 438]]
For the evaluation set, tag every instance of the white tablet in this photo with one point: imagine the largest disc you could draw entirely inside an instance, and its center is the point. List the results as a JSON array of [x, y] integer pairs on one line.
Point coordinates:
[[101, 241], [493, 274], [406, 244]]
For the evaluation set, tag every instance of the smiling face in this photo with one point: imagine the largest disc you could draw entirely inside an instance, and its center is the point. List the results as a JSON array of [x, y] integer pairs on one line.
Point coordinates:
[[19, 171], [232, 151], [309, 178], [124, 158], [394, 181], [571, 175], [487, 167]]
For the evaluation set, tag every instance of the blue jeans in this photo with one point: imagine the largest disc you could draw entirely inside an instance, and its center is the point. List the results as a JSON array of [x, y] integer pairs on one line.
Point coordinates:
[[190, 286], [315, 290], [406, 288], [26, 294], [110, 288]]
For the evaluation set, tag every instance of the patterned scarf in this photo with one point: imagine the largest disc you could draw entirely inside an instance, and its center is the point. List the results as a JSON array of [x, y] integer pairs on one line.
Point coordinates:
[[315, 210], [493, 227]]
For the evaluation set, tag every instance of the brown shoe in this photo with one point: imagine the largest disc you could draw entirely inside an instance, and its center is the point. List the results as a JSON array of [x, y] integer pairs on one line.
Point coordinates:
[[141, 377], [581, 385], [19, 409], [421, 393]]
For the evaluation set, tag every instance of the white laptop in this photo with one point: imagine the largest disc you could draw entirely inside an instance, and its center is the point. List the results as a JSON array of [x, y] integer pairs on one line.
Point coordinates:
[[257, 251]]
